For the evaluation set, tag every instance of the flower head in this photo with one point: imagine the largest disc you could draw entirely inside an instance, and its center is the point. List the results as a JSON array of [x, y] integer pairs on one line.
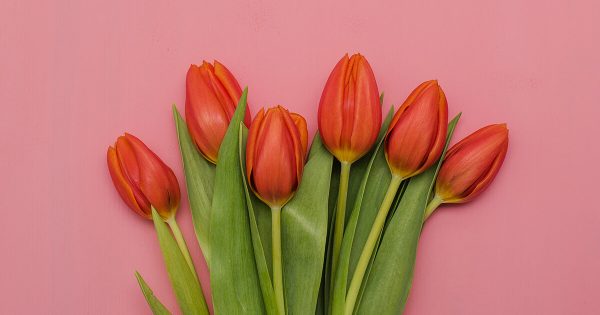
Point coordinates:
[[142, 179]]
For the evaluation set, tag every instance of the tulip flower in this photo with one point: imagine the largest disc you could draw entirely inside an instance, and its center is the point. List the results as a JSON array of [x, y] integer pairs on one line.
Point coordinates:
[[413, 142], [349, 121], [275, 154], [349, 110], [276, 149], [212, 94], [417, 134], [470, 166], [145, 182], [142, 179]]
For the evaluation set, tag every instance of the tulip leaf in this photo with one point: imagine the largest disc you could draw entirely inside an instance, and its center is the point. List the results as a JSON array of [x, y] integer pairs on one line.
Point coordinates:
[[155, 305], [369, 196], [199, 178], [359, 174], [262, 257], [386, 289], [401, 191], [185, 284], [234, 280], [304, 233]]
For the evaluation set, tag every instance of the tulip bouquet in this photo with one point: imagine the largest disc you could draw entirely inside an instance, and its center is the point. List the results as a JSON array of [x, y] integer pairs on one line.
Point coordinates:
[[288, 228]]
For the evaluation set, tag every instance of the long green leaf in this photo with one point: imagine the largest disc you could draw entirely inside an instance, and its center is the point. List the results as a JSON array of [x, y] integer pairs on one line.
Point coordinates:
[[185, 284], [155, 305], [375, 180], [199, 178], [368, 182], [304, 233], [260, 255], [388, 285], [234, 280], [401, 191]]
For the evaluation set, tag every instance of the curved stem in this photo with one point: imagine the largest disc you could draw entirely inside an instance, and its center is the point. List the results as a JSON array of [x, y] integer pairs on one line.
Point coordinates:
[[181, 243], [340, 215], [277, 268], [433, 204], [365, 255]]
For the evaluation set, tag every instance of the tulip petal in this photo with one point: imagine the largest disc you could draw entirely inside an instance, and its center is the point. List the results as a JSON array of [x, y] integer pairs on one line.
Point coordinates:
[[231, 85], [252, 139], [130, 169], [367, 118], [122, 185], [300, 123], [331, 105]]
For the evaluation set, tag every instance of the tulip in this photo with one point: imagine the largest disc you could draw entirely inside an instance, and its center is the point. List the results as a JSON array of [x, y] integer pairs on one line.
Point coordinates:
[[349, 110], [212, 94], [417, 134], [142, 179], [470, 166], [349, 121], [145, 182], [413, 142], [275, 154]]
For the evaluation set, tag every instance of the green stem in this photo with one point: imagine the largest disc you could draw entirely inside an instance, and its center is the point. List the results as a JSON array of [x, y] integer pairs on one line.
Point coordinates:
[[365, 255], [433, 204], [181, 243], [277, 268], [340, 216]]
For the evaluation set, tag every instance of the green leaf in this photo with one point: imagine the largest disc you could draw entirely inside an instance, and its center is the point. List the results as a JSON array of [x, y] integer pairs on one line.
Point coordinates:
[[388, 285], [234, 281], [369, 196], [155, 305], [304, 232], [401, 191], [185, 284], [263, 258], [369, 179], [199, 178]]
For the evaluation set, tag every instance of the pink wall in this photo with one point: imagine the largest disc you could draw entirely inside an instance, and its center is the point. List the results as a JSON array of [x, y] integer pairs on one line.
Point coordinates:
[[76, 74]]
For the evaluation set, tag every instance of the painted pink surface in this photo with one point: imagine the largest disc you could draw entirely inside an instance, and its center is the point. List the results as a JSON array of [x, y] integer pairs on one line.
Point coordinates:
[[76, 74]]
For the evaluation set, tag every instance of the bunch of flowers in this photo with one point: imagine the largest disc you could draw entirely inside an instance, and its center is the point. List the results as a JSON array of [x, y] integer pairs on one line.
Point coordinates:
[[290, 229]]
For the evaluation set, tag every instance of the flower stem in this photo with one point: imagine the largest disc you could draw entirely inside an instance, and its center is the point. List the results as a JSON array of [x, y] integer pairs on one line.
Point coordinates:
[[181, 243], [277, 268], [340, 215], [433, 204], [365, 255]]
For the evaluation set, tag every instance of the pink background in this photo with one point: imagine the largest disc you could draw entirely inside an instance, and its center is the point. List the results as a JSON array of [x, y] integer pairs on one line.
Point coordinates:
[[76, 74]]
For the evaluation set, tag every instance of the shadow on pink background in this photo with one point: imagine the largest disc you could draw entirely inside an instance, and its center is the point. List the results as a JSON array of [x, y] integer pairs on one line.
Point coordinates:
[[76, 74]]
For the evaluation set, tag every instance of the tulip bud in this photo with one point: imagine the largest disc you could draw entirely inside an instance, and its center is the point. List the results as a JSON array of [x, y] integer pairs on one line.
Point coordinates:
[[349, 110], [142, 179], [275, 155], [212, 94], [417, 134], [471, 164]]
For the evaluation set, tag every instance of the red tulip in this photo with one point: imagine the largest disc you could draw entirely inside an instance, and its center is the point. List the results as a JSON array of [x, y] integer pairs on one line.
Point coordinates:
[[275, 155], [471, 164], [349, 110], [212, 94], [142, 179], [417, 134]]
